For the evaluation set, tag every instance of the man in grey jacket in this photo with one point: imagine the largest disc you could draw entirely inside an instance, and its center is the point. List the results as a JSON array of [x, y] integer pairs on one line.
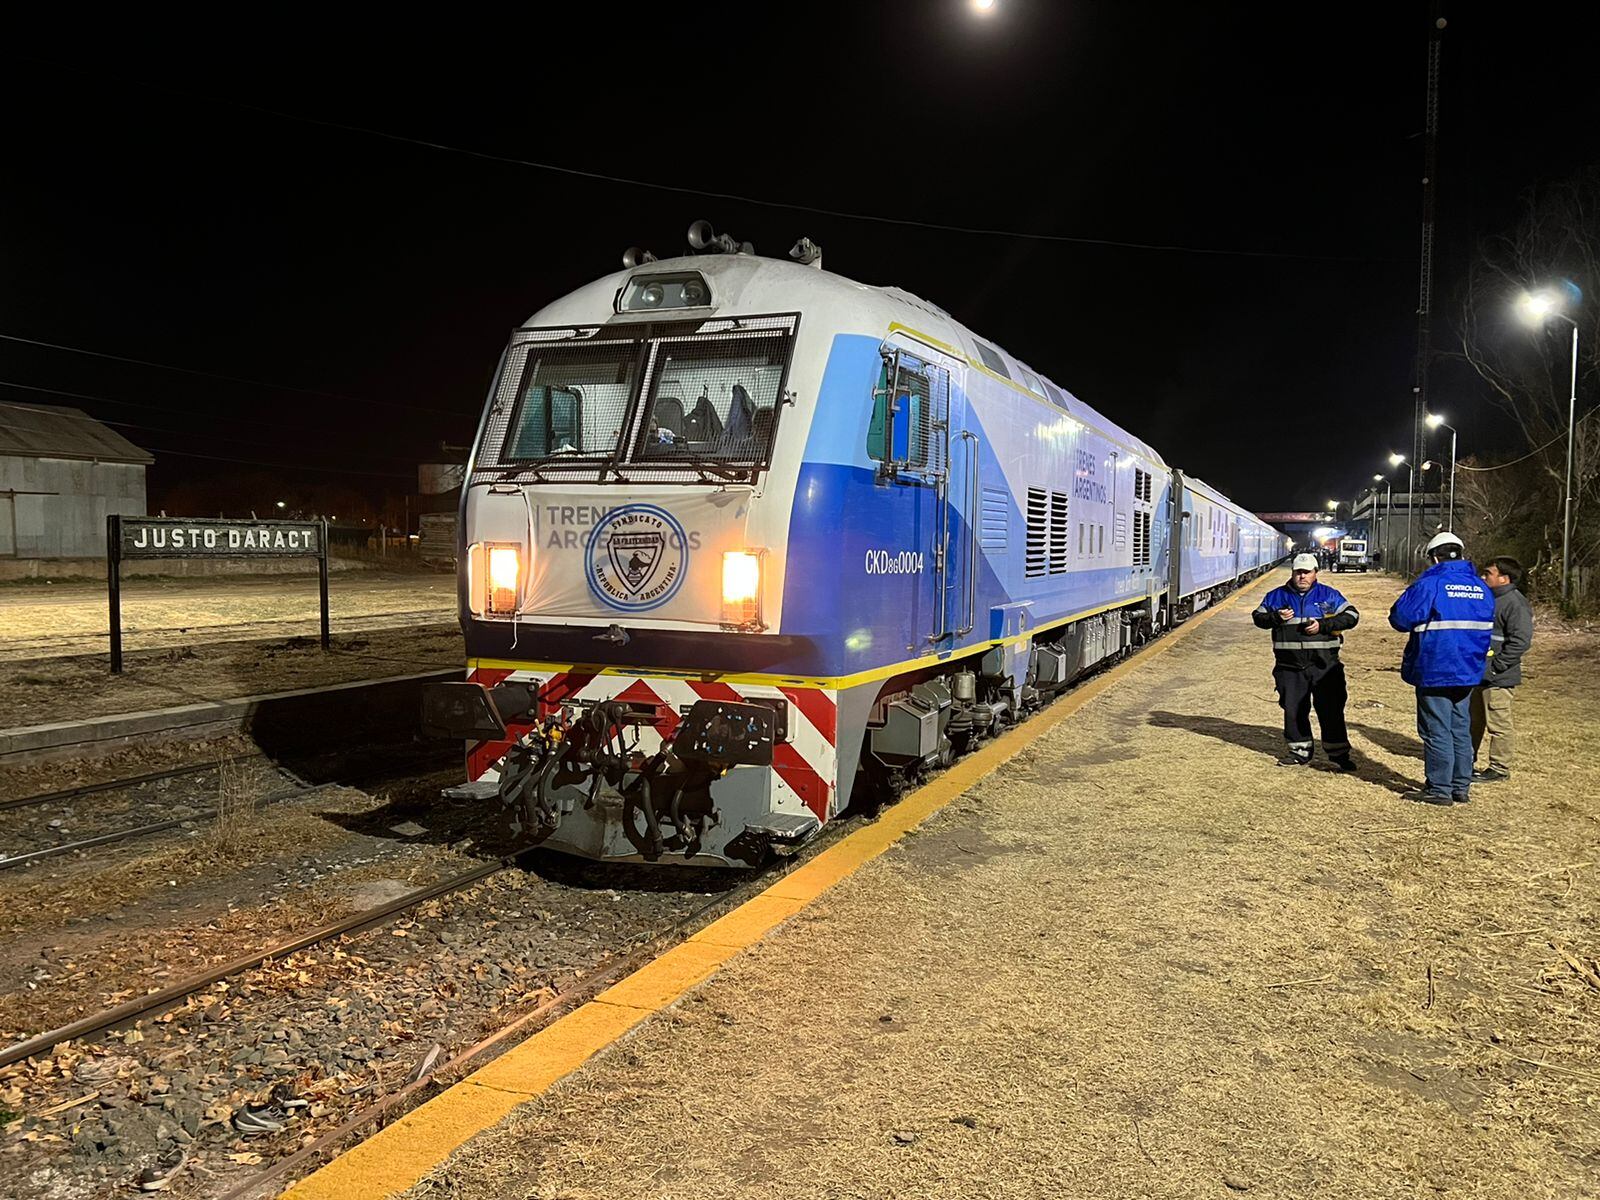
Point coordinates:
[[1491, 700]]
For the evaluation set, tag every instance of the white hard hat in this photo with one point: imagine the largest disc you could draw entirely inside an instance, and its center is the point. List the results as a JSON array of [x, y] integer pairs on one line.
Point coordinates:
[[1444, 539], [1304, 562]]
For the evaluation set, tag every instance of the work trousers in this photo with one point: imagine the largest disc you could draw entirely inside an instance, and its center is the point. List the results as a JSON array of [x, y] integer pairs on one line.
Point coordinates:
[[1444, 721], [1298, 691], [1491, 714]]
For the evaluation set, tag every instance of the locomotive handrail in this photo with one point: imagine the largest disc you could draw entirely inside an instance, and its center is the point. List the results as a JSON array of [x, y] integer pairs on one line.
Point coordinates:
[[974, 512], [941, 548]]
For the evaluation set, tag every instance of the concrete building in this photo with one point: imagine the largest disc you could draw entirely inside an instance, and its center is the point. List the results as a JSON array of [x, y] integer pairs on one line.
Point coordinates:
[[1384, 516], [61, 473]]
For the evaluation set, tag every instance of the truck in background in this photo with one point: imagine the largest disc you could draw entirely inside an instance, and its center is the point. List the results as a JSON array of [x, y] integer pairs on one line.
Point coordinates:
[[1352, 555]]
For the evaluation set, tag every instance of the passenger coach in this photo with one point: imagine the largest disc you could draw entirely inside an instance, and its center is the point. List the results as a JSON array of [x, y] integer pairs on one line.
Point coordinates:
[[742, 538]]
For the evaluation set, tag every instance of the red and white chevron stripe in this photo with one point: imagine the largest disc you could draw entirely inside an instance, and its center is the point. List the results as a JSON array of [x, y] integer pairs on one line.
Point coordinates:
[[804, 766]]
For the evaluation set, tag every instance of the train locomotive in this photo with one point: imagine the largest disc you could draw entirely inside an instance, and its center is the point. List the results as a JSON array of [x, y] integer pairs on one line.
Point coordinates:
[[743, 540]]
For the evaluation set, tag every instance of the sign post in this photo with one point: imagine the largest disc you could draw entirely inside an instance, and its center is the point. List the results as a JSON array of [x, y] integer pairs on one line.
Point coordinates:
[[114, 587], [322, 582], [174, 537]]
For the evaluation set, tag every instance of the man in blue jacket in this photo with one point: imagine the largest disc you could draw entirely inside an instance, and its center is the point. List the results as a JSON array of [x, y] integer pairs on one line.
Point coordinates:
[[1449, 614], [1307, 620]]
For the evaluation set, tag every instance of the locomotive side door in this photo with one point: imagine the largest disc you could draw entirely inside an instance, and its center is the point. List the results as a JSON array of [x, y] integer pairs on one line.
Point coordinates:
[[911, 421]]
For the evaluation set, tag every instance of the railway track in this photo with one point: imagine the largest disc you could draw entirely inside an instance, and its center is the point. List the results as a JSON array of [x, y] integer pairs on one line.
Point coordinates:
[[158, 1001], [299, 788], [138, 831], [127, 781], [468, 1058]]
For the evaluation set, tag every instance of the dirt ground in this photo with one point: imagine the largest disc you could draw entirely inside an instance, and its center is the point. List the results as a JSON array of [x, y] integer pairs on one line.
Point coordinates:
[[40, 621], [1142, 959], [187, 640]]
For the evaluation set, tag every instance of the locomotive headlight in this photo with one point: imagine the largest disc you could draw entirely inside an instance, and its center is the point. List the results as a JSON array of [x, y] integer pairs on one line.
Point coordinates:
[[505, 580], [741, 588]]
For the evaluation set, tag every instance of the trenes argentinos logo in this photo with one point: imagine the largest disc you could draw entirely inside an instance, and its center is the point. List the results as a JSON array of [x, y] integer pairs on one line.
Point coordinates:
[[637, 557]]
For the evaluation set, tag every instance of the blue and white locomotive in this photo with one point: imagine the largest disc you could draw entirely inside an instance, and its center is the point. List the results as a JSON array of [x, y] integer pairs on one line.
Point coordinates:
[[742, 538]]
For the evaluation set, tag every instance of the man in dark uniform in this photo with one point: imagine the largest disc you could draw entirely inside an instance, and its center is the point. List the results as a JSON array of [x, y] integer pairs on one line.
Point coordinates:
[[1307, 619]]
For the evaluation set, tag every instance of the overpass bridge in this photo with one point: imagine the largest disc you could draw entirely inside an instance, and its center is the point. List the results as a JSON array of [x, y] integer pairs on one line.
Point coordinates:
[[1380, 518]]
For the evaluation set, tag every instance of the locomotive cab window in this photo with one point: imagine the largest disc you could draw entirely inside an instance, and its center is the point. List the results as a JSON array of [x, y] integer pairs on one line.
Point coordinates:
[[677, 401], [572, 403], [713, 401], [906, 432]]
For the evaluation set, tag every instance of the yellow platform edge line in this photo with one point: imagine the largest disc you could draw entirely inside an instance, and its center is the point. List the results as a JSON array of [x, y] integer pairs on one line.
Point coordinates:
[[402, 1153]]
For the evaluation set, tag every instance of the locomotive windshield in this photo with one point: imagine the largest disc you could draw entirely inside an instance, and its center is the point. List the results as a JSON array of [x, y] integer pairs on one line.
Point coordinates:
[[573, 402], [694, 401], [713, 401]]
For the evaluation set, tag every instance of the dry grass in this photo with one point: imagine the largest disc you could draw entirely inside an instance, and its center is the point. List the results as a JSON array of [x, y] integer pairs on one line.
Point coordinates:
[[236, 815], [1140, 960]]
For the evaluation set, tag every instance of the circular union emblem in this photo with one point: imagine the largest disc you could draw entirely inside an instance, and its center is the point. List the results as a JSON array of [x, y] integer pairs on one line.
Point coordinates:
[[636, 558]]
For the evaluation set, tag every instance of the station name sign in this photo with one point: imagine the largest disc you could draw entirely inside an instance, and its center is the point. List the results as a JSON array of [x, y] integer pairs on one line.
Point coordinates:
[[174, 537]]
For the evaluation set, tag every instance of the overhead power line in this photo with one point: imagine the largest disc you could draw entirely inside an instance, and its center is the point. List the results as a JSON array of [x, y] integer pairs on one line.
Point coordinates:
[[207, 436], [256, 462], [1560, 437], [742, 198], [228, 418], [266, 383]]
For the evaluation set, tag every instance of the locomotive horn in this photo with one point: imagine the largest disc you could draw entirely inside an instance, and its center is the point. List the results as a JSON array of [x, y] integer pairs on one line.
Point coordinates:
[[634, 257], [703, 238]]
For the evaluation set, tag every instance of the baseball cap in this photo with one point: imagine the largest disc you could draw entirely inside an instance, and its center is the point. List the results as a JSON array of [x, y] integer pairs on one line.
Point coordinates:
[[1304, 562]]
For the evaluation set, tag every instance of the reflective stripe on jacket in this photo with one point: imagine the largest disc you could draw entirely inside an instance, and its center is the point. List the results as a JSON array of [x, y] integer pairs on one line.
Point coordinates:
[[1449, 614], [1292, 646]]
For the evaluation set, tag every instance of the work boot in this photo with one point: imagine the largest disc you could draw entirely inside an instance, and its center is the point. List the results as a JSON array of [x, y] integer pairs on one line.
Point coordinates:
[[1424, 796], [1490, 775]]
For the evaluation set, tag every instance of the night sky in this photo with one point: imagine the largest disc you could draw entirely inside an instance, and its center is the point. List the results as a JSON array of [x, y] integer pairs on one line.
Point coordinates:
[[152, 209]]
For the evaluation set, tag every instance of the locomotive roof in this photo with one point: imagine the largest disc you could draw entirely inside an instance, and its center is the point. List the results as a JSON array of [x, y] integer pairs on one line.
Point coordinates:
[[754, 284]]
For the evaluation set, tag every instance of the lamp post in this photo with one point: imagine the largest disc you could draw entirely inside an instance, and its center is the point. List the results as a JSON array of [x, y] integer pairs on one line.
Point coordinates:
[[1538, 307], [1434, 422], [1383, 515], [1411, 490]]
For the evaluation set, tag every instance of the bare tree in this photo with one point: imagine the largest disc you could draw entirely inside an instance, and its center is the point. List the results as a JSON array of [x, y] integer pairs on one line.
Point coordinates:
[[1555, 244]]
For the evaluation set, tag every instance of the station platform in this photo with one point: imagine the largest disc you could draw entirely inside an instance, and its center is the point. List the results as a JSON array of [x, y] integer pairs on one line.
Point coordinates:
[[1126, 954]]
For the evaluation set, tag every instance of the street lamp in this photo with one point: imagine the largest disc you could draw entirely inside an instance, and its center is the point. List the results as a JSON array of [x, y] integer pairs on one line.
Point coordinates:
[[1434, 422], [1388, 508], [1537, 308], [281, 504], [1411, 489]]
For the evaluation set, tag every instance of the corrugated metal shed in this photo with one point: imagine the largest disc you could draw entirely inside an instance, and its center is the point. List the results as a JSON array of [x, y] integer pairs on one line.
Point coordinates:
[[51, 431]]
